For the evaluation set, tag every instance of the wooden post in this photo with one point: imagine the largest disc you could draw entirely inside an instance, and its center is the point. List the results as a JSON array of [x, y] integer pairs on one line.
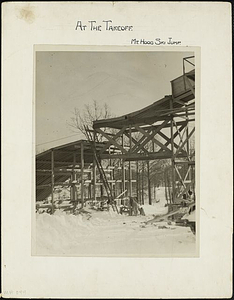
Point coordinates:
[[137, 180], [94, 169], [187, 131], [73, 185], [123, 177], [142, 187], [94, 179], [82, 172], [149, 185], [123, 171], [113, 184], [52, 181], [172, 157], [130, 170], [130, 179], [188, 148]]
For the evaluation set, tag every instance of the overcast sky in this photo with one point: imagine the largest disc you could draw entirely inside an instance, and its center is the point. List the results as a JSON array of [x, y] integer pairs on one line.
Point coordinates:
[[126, 81]]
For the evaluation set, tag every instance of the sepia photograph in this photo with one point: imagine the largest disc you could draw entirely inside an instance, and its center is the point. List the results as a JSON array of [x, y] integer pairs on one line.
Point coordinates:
[[115, 154], [117, 165]]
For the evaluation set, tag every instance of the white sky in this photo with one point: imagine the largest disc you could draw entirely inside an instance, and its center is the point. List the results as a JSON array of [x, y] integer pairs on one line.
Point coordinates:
[[126, 81]]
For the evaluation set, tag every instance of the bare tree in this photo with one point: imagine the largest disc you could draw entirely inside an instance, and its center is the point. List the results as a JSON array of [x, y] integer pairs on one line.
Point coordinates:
[[85, 117]]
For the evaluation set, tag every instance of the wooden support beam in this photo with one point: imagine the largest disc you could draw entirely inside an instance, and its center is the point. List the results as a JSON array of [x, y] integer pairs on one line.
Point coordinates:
[[129, 163], [151, 137], [140, 141], [126, 181], [181, 136], [123, 170], [94, 178], [43, 171], [185, 162], [155, 127], [137, 179], [180, 177], [142, 156], [149, 184], [74, 196], [66, 163], [167, 139], [142, 183], [180, 102], [111, 141], [135, 141], [69, 170], [153, 119], [187, 134], [130, 178], [185, 141], [172, 158], [82, 172], [43, 186]]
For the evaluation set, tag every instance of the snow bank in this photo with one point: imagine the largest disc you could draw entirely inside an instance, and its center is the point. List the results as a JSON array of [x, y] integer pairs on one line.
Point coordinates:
[[109, 234], [154, 209]]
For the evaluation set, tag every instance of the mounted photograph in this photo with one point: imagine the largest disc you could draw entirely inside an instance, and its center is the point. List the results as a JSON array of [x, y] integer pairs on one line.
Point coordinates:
[[115, 166]]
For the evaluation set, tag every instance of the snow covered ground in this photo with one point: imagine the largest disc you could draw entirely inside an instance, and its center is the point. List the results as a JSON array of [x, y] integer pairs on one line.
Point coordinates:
[[109, 234]]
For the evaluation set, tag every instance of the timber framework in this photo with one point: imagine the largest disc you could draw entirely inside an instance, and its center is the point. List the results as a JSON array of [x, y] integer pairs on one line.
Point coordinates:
[[105, 163]]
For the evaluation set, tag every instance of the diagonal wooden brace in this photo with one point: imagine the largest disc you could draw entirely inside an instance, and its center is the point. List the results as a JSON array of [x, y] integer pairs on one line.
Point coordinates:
[[112, 140], [151, 136], [184, 142]]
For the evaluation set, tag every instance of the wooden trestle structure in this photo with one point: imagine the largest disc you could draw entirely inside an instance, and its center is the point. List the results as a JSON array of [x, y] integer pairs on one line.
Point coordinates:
[[163, 130]]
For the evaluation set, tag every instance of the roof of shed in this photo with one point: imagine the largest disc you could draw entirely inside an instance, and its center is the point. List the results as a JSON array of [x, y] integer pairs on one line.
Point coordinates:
[[63, 158]]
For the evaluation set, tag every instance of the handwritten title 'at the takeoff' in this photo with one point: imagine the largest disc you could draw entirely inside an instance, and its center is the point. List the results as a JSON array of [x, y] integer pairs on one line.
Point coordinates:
[[107, 25]]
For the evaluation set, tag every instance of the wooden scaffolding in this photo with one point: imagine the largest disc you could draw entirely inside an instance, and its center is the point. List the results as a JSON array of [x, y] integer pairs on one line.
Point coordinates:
[[162, 130]]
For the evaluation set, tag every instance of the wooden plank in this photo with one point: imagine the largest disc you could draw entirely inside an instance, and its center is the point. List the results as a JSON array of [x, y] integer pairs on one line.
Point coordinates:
[[140, 141], [181, 136], [130, 179], [154, 127], [55, 162], [42, 186], [185, 141], [167, 139], [149, 185], [123, 169], [58, 171], [176, 133], [73, 178], [151, 137], [180, 177], [172, 158], [82, 172], [43, 171], [113, 142], [134, 141], [114, 138], [141, 156], [94, 178], [185, 162]]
